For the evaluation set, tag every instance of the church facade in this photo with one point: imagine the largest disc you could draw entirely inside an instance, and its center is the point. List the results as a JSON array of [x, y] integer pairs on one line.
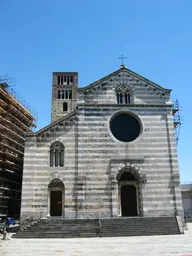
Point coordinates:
[[109, 151]]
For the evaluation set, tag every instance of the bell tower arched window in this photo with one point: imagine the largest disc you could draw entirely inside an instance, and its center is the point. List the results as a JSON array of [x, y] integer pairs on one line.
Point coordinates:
[[59, 94], [57, 154], [64, 94], [65, 107], [123, 94]]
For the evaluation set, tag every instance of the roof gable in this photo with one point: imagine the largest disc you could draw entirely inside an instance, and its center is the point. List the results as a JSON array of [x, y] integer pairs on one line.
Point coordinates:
[[101, 82]]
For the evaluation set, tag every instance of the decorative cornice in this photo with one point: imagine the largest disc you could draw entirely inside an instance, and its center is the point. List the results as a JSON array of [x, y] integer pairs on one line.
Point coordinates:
[[123, 89], [124, 105]]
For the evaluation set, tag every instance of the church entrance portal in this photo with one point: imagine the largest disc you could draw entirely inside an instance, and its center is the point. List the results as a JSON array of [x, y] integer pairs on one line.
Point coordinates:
[[56, 198], [128, 200], [56, 203], [129, 185]]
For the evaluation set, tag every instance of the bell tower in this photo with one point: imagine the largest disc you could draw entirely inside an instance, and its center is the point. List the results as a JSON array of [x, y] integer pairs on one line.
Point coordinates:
[[64, 94]]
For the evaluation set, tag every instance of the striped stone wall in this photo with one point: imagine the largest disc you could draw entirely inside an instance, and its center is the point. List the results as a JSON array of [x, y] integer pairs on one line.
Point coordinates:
[[38, 173], [93, 157], [97, 149]]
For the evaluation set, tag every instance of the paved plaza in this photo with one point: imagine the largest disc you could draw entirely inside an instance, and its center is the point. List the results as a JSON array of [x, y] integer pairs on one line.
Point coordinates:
[[117, 246]]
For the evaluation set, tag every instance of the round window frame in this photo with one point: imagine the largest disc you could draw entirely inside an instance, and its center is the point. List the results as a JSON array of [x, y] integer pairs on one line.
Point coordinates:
[[125, 111]]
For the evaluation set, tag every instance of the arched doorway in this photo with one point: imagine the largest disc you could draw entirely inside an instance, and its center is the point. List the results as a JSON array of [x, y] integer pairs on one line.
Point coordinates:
[[128, 200], [128, 183], [56, 198]]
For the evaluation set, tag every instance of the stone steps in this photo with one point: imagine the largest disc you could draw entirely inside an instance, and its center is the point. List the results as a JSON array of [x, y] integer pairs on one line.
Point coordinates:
[[122, 226]]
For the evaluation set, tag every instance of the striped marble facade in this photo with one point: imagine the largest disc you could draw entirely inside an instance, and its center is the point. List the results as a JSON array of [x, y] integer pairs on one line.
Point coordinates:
[[93, 157]]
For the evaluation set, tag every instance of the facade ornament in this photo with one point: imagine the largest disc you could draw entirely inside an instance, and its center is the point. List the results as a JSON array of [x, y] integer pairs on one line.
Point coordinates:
[[113, 180], [56, 183], [143, 178], [123, 88]]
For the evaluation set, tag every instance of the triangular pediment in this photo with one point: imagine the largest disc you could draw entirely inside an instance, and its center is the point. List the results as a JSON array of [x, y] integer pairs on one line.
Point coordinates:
[[122, 74]]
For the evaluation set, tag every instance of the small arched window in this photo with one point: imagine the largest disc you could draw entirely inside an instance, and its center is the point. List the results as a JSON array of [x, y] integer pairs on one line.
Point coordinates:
[[70, 94], [127, 98], [121, 98], [123, 94], [63, 94], [59, 94], [57, 154], [62, 80], [65, 107], [58, 80]]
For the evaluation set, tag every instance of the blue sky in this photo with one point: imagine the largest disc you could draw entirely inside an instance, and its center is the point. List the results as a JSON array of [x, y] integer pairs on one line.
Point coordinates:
[[87, 36]]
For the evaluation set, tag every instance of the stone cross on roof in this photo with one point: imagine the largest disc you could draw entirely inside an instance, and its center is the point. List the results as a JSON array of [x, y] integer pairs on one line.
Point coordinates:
[[122, 58]]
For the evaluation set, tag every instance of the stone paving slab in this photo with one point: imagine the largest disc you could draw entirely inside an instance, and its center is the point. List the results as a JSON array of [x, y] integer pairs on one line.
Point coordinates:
[[180, 245]]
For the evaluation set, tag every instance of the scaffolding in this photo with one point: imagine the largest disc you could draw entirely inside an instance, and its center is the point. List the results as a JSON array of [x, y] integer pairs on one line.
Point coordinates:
[[16, 118], [177, 119], [17, 102]]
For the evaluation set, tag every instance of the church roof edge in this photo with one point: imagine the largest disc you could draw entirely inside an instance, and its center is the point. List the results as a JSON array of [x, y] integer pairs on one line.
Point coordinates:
[[123, 67], [55, 122]]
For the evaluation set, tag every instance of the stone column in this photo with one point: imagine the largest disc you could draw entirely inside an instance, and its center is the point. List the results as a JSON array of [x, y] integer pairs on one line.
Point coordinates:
[[114, 197]]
